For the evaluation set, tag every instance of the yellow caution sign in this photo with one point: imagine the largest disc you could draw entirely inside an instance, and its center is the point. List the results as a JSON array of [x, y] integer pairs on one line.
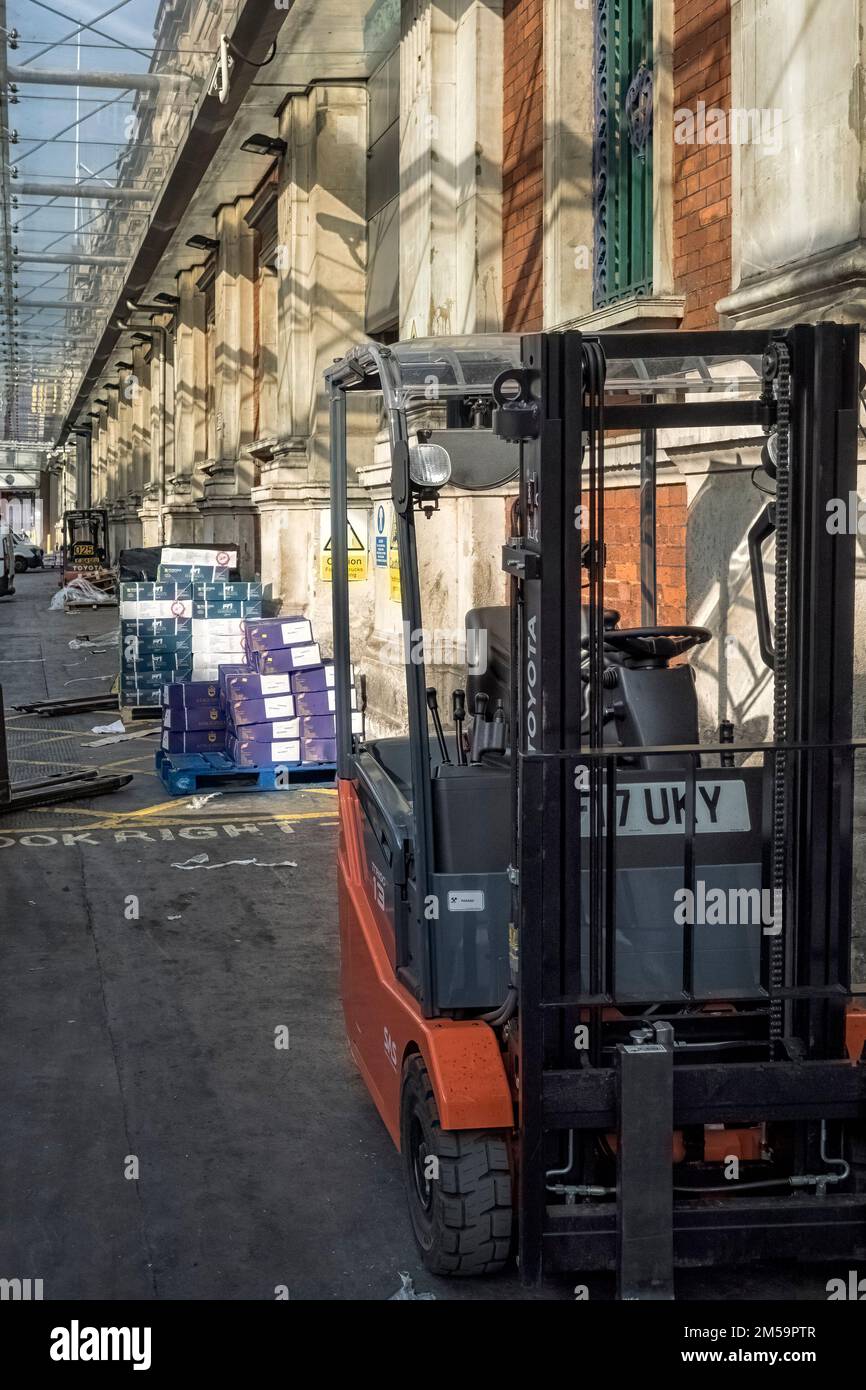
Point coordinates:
[[394, 593], [357, 545]]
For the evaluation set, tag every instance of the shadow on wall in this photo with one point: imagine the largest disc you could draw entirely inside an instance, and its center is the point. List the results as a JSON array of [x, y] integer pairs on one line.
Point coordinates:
[[733, 682]]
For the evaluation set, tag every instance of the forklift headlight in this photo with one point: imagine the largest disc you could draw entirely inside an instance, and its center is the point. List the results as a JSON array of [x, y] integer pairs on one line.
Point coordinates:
[[429, 465]]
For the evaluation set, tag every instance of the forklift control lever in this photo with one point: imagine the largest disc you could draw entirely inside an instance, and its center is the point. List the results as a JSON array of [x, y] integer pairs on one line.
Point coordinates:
[[433, 706], [458, 708]]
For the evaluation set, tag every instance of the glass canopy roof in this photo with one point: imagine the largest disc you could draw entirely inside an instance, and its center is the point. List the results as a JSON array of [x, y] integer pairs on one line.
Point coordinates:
[[94, 102]]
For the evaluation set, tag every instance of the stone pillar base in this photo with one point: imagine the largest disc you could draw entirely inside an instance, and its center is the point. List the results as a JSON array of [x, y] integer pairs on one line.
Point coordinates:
[[132, 532], [224, 521], [182, 524], [182, 519], [116, 529], [150, 520]]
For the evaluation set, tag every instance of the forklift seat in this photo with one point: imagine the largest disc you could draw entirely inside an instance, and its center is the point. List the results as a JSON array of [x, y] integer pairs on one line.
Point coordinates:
[[488, 656]]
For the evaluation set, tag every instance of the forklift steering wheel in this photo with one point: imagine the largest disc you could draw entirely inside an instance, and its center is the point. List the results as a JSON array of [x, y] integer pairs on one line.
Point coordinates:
[[646, 643]]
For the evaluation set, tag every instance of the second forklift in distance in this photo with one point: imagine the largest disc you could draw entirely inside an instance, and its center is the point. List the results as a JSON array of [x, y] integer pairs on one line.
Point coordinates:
[[576, 1068], [87, 553]]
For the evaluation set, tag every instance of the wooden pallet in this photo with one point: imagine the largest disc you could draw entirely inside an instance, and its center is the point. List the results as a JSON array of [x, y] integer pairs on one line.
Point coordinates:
[[183, 773], [142, 711]]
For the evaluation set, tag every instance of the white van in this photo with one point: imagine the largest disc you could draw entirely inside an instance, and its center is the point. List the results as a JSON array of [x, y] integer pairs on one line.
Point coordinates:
[[28, 555]]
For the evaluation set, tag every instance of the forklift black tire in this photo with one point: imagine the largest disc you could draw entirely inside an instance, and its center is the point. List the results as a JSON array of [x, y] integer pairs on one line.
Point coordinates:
[[463, 1219], [20, 564]]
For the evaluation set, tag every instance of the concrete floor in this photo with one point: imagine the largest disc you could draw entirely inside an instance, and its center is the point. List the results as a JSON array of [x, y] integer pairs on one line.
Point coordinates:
[[148, 1041]]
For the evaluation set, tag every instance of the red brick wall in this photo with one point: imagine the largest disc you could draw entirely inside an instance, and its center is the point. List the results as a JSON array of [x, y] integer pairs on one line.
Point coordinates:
[[522, 172], [622, 535], [702, 172]]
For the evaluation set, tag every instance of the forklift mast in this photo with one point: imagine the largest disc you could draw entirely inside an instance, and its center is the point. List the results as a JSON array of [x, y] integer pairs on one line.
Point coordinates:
[[559, 405]]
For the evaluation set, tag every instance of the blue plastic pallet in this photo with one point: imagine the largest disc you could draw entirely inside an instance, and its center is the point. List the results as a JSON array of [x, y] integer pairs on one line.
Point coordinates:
[[182, 773]]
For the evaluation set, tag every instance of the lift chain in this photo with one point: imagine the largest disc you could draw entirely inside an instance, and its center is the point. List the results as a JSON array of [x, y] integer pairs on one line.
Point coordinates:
[[777, 367]]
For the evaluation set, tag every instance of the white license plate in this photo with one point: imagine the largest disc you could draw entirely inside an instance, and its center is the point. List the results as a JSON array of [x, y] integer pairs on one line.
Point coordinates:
[[659, 808]]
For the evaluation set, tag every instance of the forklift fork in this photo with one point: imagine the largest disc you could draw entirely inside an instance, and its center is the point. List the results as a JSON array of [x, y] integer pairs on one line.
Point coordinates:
[[644, 1165], [63, 786]]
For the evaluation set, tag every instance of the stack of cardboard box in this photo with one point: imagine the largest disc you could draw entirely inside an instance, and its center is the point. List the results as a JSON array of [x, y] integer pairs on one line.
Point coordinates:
[[192, 719], [155, 638], [218, 614], [279, 705]]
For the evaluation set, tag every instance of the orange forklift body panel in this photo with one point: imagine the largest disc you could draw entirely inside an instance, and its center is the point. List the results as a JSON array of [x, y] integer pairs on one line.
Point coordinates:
[[384, 1024]]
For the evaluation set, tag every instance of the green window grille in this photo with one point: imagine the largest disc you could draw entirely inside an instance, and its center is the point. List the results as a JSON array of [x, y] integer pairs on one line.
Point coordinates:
[[622, 151]]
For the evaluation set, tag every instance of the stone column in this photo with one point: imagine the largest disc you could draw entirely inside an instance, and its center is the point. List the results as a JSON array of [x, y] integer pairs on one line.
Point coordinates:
[[450, 167], [189, 417], [798, 155], [115, 503], [98, 484], [130, 498], [83, 468], [451, 127], [140, 402], [320, 288], [156, 408], [227, 513], [568, 141], [269, 420]]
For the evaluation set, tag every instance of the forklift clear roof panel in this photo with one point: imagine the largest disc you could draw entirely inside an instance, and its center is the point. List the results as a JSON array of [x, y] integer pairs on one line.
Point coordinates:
[[732, 374], [433, 368], [456, 363]]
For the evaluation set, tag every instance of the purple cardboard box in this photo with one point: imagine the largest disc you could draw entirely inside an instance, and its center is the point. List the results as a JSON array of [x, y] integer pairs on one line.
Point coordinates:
[[295, 658], [177, 696], [260, 711], [197, 741], [316, 678], [226, 672], [315, 702], [272, 731], [244, 683], [268, 634], [193, 718], [319, 750], [246, 753], [321, 726]]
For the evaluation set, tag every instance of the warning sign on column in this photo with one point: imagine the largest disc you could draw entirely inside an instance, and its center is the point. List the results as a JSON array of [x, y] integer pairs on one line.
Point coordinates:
[[356, 541], [394, 592]]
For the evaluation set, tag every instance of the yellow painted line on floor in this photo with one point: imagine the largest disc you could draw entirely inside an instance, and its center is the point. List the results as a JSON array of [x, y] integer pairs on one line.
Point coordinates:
[[214, 813], [111, 824]]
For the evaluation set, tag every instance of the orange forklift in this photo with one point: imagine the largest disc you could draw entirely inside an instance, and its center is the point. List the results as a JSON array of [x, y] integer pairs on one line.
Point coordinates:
[[581, 1064]]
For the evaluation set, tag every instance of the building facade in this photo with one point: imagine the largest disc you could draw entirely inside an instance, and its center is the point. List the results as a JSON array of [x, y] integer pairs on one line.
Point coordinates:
[[476, 166]]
